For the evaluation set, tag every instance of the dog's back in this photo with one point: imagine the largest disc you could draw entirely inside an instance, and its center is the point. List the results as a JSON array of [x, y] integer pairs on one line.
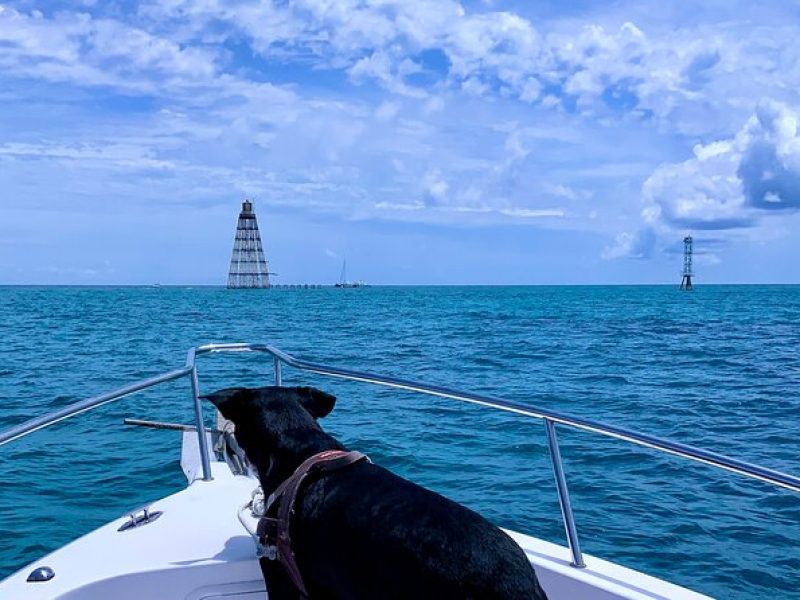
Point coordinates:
[[367, 533]]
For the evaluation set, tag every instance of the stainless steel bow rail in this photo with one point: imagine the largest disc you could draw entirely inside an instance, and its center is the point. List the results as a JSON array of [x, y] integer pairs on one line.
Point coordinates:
[[550, 418]]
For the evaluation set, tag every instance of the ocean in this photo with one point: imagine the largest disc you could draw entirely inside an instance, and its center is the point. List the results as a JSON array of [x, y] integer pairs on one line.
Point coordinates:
[[717, 367]]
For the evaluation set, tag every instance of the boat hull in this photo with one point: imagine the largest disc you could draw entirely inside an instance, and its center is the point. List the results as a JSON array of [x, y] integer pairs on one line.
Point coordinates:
[[198, 550]]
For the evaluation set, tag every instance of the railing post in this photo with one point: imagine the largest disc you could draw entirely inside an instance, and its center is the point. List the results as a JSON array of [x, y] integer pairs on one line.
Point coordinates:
[[278, 375], [563, 495], [201, 428]]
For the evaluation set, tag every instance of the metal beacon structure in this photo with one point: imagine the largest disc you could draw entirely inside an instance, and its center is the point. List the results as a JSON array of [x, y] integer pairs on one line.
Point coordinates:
[[686, 279], [248, 264]]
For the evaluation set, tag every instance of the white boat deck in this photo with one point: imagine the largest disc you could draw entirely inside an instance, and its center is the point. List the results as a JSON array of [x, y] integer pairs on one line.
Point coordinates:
[[196, 549], [199, 550]]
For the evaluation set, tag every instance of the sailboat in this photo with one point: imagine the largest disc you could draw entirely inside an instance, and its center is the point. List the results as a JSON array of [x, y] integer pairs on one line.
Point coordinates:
[[343, 282]]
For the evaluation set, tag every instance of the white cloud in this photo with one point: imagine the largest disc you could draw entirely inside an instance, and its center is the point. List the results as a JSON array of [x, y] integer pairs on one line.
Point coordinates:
[[434, 105], [398, 206], [631, 245], [387, 110], [81, 49], [531, 90], [770, 158], [529, 213], [457, 110], [435, 188], [114, 155], [684, 77], [731, 183], [564, 191], [700, 193], [730, 186]]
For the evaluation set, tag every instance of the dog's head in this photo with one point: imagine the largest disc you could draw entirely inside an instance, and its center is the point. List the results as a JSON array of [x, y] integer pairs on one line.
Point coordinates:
[[273, 423]]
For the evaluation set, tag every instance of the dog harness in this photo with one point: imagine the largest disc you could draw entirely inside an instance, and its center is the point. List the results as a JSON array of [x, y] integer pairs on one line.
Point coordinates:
[[274, 532]]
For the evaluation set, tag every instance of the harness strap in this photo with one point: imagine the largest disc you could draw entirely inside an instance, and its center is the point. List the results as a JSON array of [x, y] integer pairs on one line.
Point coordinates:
[[275, 532]]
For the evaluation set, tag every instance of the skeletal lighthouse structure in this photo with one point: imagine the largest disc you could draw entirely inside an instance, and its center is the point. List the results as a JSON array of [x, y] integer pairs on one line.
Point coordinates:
[[248, 263], [686, 280]]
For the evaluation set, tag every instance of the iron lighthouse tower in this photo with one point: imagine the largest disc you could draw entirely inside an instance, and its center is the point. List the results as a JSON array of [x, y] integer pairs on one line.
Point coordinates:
[[248, 264], [686, 280]]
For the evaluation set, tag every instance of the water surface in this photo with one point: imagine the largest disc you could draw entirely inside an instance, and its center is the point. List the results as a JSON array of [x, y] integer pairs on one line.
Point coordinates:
[[717, 367]]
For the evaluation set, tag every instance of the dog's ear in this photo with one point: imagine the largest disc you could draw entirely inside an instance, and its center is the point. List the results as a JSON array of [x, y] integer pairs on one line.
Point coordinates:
[[316, 402], [230, 401]]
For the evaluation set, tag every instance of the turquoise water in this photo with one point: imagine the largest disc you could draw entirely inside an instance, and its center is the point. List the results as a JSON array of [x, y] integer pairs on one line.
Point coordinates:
[[717, 367]]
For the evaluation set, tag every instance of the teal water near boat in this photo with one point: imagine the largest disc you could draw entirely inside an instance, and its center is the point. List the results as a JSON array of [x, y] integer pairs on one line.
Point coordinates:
[[717, 367]]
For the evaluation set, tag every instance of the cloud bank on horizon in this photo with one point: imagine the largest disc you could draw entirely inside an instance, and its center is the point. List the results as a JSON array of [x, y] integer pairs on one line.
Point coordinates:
[[483, 133]]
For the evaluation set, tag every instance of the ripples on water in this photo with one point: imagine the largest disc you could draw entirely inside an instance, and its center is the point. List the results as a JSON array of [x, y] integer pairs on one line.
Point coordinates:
[[717, 367]]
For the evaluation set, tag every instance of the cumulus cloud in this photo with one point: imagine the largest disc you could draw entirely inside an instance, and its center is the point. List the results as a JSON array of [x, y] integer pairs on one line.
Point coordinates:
[[417, 107], [391, 73], [683, 76], [78, 48], [731, 183], [700, 193], [769, 167], [435, 189], [596, 68], [639, 244], [700, 69]]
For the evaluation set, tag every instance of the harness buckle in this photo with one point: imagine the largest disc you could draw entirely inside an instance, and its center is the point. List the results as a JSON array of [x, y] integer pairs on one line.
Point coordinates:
[[267, 551], [267, 538]]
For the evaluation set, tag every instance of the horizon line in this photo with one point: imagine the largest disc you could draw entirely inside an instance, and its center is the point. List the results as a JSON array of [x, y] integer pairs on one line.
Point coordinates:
[[382, 285]]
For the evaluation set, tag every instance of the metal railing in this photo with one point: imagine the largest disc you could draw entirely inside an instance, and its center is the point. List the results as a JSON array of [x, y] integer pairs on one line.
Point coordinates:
[[550, 418]]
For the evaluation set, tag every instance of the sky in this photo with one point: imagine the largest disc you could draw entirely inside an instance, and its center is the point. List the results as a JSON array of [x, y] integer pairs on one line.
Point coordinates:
[[428, 142]]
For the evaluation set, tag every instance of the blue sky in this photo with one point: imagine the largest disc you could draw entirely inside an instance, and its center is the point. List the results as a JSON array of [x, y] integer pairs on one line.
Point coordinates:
[[428, 141]]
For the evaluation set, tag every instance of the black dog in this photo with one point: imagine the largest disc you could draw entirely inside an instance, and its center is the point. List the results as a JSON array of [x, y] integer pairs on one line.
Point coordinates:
[[362, 532]]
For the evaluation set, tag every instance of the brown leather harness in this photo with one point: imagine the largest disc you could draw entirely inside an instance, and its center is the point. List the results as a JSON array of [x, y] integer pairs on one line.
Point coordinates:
[[274, 532]]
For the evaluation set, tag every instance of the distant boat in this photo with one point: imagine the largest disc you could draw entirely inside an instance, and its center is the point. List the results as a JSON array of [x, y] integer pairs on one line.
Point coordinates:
[[343, 282]]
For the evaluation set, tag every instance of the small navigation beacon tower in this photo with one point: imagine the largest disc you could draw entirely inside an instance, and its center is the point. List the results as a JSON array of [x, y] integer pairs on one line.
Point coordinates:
[[686, 281], [248, 264]]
